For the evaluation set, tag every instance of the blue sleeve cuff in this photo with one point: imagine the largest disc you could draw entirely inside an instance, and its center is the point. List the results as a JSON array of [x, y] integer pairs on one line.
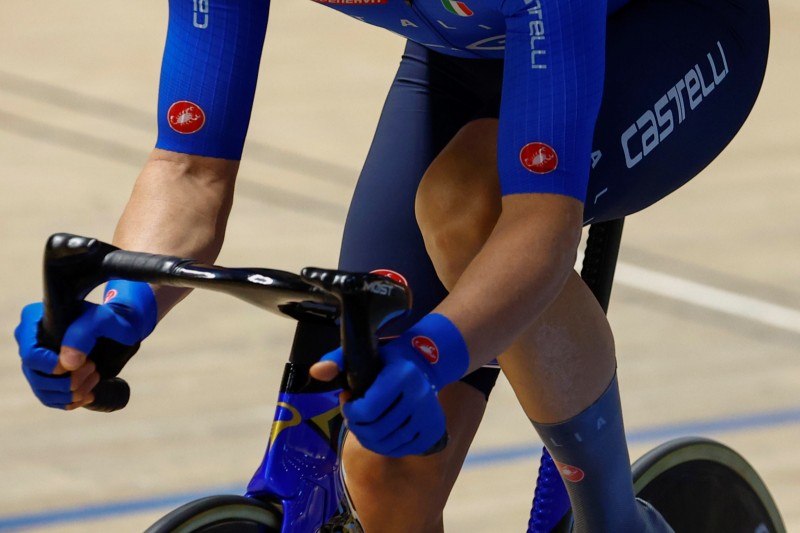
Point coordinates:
[[136, 297], [439, 342], [208, 75]]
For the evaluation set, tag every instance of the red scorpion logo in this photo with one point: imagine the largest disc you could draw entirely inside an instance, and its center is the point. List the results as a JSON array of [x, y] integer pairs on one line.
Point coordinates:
[[186, 117], [427, 348], [538, 157]]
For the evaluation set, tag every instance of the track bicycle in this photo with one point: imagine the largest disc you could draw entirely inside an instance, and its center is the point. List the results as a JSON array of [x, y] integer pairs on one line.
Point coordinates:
[[697, 484]]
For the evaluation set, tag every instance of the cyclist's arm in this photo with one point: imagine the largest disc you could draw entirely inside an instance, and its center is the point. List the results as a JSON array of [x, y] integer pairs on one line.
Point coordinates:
[[552, 87], [181, 200], [179, 206], [517, 274]]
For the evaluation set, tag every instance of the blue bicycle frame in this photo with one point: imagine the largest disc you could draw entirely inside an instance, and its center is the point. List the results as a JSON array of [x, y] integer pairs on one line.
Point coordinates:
[[301, 467]]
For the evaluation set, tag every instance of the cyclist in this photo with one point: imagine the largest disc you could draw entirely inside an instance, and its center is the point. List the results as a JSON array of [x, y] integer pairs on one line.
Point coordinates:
[[510, 124]]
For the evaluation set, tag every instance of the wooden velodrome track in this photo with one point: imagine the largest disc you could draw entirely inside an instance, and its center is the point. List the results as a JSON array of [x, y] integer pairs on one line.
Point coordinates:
[[706, 308]]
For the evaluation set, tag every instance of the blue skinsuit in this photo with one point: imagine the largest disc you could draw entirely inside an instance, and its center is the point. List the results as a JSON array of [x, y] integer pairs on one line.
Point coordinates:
[[554, 63], [673, 81]]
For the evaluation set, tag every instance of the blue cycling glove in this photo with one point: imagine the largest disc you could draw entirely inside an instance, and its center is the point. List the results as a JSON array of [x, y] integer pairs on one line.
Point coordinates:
[[126, 317], [400, 413]]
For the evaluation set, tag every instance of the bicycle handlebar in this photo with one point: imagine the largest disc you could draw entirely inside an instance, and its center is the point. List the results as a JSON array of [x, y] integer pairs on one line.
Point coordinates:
[[71, 271], [362, 302]]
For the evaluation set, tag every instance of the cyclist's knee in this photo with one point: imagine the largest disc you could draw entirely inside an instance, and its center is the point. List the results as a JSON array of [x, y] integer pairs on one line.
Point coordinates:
[[391, 494], [574, 323], [409, 494], [458, 200]]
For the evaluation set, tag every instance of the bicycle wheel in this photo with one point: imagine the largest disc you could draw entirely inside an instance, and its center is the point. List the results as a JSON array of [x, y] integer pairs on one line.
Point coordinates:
[[221, 514], [701, 486]]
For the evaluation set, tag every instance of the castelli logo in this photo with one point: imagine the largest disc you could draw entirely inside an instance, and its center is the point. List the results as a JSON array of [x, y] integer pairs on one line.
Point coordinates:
[[186, 117], [392, 275], [539, 158], [110, 295], [427, 348], [570, 473]]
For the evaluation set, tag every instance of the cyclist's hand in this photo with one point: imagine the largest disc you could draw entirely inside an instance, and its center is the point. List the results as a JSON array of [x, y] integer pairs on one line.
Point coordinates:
[[329, 366], [400, 413], [113, 330], [46, 375]]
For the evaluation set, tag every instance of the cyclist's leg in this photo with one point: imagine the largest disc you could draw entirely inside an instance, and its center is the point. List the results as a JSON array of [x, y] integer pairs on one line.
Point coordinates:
[[653, 135], [409, 494], [622, 183], [422, 112], [551, 361], [565, 362]]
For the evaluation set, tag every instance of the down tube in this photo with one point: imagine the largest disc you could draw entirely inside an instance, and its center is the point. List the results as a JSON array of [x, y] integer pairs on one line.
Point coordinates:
[[301, 464]]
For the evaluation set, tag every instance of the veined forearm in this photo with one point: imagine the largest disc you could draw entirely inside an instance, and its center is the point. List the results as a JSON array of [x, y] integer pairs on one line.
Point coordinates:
[[516, 276], [179, 206]]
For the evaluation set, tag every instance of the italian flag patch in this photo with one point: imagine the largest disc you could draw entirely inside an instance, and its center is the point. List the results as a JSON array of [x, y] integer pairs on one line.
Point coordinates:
[[457, 8]]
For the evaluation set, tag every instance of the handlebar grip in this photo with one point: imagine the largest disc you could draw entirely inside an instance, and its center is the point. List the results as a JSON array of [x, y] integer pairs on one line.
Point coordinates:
[[72, 268], [111, 394], [139, 266], [367, 302]]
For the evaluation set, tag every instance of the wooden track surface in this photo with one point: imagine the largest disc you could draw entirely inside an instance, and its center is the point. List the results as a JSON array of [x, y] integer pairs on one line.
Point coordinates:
[[78, 87]]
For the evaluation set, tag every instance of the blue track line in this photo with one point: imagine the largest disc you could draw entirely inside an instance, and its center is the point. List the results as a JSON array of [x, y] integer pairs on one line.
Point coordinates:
[[751, 422], [527, 451], [108, 510]]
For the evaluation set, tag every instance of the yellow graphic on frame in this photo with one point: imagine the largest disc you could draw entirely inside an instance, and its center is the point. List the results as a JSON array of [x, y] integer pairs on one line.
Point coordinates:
[[280, 425]]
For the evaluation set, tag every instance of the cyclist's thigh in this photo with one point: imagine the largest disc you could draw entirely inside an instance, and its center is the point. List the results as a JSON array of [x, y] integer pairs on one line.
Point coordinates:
[[423, 111], [431, 99], [681, 78]]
